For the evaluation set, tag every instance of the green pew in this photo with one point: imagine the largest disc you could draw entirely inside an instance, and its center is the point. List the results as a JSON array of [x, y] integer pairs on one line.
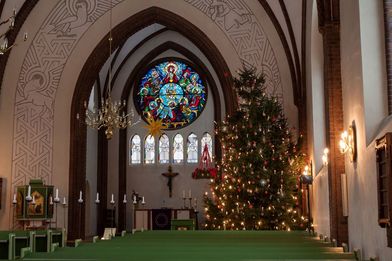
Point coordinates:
[[189, 224]]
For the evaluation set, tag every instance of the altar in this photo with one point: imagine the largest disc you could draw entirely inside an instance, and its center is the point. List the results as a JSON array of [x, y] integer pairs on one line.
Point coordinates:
[[164, 218]]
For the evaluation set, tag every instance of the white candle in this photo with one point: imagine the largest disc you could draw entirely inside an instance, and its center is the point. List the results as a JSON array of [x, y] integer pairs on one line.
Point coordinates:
[[57, 193], [29, 191], [143, 202], [97, 197], [64, 201], [80, 195], [14, 200], [190, 193], [112, 198], [125, 198], [50, 200], [183, 193]]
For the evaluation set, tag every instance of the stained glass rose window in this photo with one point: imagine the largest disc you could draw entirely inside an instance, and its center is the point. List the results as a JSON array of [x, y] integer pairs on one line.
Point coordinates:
[[171, 91]]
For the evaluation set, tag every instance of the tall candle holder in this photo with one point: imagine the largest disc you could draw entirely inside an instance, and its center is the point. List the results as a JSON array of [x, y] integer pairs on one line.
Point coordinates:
[[112, 202], [125, 201], [56, 201], [14, 202], [184, 199], [64, 204], [50, 204], [80, 201]]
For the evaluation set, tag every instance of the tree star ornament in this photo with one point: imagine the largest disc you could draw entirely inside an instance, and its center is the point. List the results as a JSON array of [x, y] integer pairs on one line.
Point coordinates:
[[154, 127]]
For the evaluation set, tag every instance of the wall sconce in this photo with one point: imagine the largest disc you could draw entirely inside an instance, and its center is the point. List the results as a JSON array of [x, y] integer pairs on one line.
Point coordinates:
[[306, 177], [325, 157], [348, 143]]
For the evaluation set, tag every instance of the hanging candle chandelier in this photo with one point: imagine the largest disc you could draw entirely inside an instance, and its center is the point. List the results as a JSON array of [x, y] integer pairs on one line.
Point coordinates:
[[108, 115]]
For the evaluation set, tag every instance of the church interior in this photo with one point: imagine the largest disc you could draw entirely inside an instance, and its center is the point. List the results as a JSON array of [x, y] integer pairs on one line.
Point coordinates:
[[261, 127]]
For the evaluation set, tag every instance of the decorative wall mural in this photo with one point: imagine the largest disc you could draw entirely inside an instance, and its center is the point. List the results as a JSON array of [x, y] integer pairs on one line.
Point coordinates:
[[55, 40], [173, 92], [38, 82], [247, 36]]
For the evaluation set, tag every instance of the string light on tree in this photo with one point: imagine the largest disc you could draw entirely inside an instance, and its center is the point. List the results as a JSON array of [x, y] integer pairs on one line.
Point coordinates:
[[260, 164]]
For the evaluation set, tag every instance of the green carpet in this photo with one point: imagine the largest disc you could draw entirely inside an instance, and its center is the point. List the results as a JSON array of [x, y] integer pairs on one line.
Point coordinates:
[[202, 246]]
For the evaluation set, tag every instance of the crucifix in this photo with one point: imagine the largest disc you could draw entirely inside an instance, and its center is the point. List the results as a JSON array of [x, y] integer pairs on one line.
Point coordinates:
[[170, 175]]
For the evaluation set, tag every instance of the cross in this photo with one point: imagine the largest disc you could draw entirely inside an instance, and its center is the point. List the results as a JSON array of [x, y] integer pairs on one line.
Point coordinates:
[[170, 175]]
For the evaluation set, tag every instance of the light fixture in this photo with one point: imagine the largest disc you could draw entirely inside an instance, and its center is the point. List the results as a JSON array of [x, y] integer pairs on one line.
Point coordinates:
[[109, 115], [348, 142], [325, 157], [4, 46], [306, 177]]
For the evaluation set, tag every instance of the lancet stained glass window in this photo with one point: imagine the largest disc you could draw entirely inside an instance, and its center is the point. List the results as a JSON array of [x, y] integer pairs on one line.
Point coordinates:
[[192, 148], [149, 150], [164, 149], [135, 145], [178, 149], [171, 91]]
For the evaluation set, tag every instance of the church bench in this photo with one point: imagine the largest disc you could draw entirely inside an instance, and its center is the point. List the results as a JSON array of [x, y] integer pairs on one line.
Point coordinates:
[[189, 224]]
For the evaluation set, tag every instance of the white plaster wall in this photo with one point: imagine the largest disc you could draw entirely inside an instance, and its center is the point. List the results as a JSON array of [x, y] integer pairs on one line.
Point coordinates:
[[320, 203], [91, 176], [361, 56], [316, 122]]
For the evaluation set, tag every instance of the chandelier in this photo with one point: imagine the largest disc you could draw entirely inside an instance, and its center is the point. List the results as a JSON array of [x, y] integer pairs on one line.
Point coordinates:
[[109, 115], [4, 46]]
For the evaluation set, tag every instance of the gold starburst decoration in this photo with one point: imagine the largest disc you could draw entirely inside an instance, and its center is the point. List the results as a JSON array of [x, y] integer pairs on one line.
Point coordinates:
[[154, 127]]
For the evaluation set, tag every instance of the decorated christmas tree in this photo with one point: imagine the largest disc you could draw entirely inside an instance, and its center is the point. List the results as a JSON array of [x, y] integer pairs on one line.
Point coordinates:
[[258, 185]]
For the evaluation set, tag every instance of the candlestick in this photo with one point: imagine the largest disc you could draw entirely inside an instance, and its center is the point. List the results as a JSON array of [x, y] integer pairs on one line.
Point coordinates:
[[14, 200], [97, 199], [64, 202], [56, 198], [143, 202], [50, 200], [125, 199], [112, 201], [80, 200], [28, 197]]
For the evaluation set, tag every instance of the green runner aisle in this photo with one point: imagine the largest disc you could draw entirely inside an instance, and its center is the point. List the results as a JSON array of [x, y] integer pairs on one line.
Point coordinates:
[[202, 246]]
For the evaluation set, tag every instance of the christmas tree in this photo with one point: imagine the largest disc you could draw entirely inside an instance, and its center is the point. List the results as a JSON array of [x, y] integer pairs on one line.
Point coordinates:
[[259, 171]]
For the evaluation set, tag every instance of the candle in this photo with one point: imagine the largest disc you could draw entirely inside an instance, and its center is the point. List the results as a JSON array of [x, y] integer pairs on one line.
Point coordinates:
[[195, 203], [112, 201], [29, 191], [183, 193], [190, 193], [143, 202], [80, 195], [14, 200], [50, 200], [125, 198], [57, 193], [112, 197], [134, 199], [64, 201], [97, 198]]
